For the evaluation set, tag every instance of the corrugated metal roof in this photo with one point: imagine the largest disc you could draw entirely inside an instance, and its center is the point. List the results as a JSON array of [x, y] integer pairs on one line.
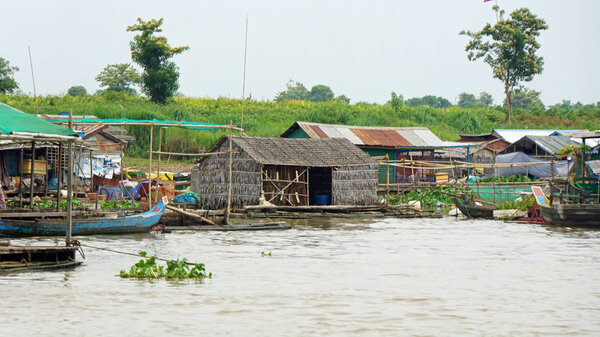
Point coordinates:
[[551, 144], [373, 135], [384, 138], [513, 135]]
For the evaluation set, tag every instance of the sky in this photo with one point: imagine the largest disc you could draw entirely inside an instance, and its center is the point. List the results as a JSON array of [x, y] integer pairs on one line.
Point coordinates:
[[362, 49]]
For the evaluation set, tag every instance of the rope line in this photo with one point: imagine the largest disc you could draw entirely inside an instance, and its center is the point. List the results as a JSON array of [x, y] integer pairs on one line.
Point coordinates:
[[128, 253]]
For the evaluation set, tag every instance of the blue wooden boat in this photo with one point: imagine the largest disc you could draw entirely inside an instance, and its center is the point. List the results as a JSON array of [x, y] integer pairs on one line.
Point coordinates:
[[138, 223]]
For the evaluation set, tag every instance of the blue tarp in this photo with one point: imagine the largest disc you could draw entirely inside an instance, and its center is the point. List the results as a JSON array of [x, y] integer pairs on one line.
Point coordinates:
[[561, 167]]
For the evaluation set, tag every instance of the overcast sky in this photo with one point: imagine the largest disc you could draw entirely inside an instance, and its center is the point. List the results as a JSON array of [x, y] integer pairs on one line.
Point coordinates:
[[363, 49]]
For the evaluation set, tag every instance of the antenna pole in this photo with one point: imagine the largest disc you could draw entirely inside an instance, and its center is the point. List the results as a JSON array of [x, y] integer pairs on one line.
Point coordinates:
[[244, 77], [33, 79]]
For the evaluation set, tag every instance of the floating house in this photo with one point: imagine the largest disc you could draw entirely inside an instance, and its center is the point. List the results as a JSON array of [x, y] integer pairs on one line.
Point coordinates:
[[397, 143], [279, 171], [541, 146]]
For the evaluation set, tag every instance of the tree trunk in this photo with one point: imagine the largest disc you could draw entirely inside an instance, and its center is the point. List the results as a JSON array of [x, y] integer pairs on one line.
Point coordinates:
[[508, 93]]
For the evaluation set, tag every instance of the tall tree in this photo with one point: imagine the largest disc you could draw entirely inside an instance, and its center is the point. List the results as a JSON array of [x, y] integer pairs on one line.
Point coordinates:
[[77, 90], [8, 85], [320, 93], [396, 101], [294, 91], [527, 99], [485, 99], [509, 47], [119, 77], [160, 79], [428, 100], [467, 100]]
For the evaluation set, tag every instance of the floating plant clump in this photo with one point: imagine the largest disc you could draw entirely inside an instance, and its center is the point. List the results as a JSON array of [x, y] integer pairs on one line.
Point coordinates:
[[175, 269]]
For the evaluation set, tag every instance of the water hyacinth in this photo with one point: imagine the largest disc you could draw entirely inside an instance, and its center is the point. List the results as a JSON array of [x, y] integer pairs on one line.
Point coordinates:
[[175, 269]]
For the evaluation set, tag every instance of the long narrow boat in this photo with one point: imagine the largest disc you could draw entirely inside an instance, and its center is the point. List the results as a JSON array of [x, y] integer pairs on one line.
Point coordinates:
[[137, 223], [472, 209], [575, 215]]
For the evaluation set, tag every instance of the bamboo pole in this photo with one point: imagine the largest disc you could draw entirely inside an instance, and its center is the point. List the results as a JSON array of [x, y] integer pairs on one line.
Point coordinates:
[[160, 131], [92, 175], [46, 175], [59, 176], [228, 212], [70, 187], [32, 177], [150, 172], [387, 176], [21, 179], [494, 183]]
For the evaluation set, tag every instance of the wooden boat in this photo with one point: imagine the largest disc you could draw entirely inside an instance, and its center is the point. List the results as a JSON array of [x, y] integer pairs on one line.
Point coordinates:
[[575, 215], [471, 209], [29, 258], [137, 223]]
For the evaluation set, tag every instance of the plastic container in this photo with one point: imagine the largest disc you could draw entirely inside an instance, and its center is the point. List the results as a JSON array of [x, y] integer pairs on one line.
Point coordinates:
[[322, 199]]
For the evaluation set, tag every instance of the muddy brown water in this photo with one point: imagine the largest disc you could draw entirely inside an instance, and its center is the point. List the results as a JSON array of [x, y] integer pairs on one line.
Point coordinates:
[[384, 277]]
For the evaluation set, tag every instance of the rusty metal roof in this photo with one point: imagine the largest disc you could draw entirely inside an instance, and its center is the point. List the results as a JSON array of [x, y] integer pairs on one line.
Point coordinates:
[[376, 136]]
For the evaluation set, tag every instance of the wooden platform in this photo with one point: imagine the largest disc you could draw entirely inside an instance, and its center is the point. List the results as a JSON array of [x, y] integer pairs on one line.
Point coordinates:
[[23, 258], [227, 228]]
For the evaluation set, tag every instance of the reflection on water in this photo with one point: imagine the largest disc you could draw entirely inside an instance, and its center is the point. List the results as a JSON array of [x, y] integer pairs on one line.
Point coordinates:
[[327, 277]]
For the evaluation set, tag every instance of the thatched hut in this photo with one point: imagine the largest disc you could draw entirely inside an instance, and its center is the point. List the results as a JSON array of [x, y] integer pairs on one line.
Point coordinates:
[[292, 172]]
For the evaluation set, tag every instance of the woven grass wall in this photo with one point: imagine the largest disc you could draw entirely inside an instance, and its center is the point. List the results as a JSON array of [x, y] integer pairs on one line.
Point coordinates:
[[355, 185]]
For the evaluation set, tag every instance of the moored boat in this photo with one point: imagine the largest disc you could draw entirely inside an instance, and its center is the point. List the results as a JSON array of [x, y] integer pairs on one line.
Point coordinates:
[[575, 215], [137, 223], [472, 209]]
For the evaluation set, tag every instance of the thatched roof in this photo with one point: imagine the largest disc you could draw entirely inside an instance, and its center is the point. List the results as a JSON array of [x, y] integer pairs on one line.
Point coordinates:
[[300, 152]]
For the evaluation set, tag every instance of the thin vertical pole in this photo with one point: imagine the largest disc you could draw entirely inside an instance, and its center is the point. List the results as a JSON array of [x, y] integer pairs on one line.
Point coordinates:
[[33, 80], [92, 175], [70, 185], [150, 172], [387, 176], [160, 131], [307, 186], [227, 214], [21, 179], [244, 78], [32, 167], [46, 176], [59, 176]]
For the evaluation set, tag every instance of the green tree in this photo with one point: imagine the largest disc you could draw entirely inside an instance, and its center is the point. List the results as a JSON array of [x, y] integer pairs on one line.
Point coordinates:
[[160, 77], [120, 77], [429, 100], [396, 101], [467, 100], [485, 99], [8, 85], [342, 98], [527, 99], [77, 90], [509, 47], [294, 91], [320, 93]]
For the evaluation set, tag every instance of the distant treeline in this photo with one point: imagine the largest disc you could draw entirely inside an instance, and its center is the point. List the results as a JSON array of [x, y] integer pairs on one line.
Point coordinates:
[[272, 118]]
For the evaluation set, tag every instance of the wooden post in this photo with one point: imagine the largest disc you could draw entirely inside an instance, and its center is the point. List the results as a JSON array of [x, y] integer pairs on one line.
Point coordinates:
[[227, 213], [92, 176], [387, 185], [307, 186], [32, 177], [150, 172], [160, 130], [59, 176], [21, 179], [70, 186], [494, 182], [46, 176]]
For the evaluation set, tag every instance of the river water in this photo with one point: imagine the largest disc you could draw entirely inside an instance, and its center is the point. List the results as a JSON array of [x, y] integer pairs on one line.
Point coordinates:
[[383, 277]]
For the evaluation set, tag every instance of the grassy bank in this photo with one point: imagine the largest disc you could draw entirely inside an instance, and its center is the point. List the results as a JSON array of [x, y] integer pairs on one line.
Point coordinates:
[[271, 118]]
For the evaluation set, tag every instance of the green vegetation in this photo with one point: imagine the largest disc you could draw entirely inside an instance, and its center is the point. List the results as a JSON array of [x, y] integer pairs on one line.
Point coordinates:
[[263, 254], [507, 179], [509, 48], [429, 197], [8, 84], [77, 90], [175, 269], [318, 93], [123, 204], [524, 204], [160, 77], [45, 204], [273, 118], [119, 77]]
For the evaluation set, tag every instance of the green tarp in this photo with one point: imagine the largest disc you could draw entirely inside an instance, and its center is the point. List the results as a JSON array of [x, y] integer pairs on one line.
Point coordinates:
[[13, 120], [156, 122]]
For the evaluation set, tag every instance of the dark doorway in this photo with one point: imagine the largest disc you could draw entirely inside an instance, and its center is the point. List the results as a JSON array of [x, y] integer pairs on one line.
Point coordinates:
[[320, 185]]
